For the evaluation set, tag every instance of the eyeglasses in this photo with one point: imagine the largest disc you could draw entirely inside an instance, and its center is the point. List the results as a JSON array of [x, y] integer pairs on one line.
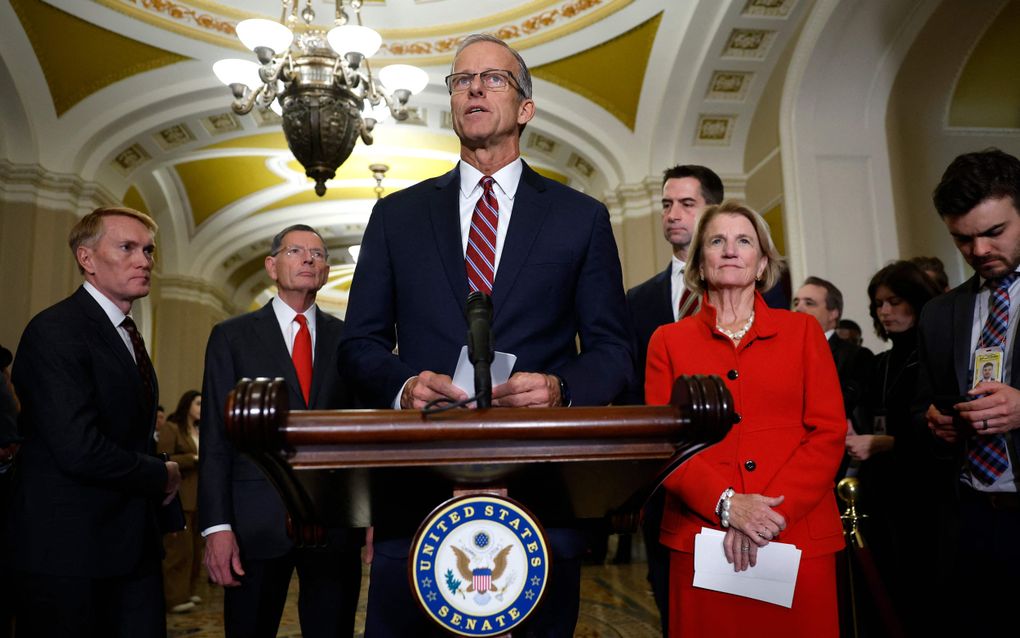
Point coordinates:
[[492, 79], [293, 252]]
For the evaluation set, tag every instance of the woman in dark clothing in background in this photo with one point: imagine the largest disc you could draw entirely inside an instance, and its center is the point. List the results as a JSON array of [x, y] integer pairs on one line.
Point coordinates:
[[895, 454]]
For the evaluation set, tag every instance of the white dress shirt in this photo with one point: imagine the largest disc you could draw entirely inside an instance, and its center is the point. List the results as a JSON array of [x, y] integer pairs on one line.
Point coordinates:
[[676, 286], [115, 315], [505, 189], [289, 328]]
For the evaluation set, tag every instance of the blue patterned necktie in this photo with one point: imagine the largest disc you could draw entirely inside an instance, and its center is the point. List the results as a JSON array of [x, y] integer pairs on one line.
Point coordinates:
[[987, 458]]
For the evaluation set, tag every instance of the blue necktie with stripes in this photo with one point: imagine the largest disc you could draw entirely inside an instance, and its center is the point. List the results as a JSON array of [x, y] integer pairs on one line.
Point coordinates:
[[987, 458]]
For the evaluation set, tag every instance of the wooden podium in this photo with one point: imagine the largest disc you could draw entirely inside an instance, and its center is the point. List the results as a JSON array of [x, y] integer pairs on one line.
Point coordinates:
[[341, 467]]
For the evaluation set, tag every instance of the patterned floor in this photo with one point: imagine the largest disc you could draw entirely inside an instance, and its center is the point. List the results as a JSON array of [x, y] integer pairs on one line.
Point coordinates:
[[615, 603]]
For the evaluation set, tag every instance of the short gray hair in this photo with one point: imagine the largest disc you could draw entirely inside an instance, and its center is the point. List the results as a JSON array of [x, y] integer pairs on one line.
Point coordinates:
[[523, 75], [774, 268], [277, 244]]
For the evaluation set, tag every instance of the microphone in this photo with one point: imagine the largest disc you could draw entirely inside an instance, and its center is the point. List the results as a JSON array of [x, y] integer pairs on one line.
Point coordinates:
[[479, 339]]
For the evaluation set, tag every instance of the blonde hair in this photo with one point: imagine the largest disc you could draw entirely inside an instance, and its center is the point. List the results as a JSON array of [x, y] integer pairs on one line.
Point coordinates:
[[774, 267], [89, 228]]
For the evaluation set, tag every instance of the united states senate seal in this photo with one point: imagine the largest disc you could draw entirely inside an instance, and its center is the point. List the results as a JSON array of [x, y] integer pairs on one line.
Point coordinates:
[[479, 565]]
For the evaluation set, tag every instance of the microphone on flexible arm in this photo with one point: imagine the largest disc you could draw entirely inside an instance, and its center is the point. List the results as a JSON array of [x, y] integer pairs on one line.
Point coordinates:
[[479, 338]]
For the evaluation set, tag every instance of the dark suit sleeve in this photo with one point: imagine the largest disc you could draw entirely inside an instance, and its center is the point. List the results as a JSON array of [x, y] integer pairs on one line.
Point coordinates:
[[933, 379], [369, 333], [216, 461], [605, 365], [634, 393], [861, 366], [57, 379]]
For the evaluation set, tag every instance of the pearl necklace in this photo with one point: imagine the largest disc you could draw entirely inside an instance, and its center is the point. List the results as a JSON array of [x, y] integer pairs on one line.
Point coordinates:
[[739, 334]]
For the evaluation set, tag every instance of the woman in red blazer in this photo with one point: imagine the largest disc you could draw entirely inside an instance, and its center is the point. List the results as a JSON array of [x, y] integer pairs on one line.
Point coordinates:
[[771, 478]]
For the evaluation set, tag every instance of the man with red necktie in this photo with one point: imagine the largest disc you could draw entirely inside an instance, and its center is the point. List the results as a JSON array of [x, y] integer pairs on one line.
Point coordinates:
[[240, 514], [978, 199], [547, 255]]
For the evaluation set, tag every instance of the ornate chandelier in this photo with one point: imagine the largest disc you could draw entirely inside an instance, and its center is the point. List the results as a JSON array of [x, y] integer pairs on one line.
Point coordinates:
[[320, 82]]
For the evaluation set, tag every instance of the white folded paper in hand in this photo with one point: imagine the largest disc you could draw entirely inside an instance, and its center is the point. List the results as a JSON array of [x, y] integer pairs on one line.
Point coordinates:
[[500, 368], [772, 579]]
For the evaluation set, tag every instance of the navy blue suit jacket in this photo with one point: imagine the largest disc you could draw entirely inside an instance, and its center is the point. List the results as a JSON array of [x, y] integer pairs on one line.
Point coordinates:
[[231, 489], [87, 483], [945, 362], [650, 305], [559, 278]]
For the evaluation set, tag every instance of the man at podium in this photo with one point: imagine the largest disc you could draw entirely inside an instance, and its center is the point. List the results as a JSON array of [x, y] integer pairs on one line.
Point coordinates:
[[545, 254]]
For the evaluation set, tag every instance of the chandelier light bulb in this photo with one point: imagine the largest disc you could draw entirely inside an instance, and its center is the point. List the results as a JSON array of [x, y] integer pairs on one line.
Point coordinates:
[[404, 76], [329, 91], [237, 71], [353, 38], [258, 32]]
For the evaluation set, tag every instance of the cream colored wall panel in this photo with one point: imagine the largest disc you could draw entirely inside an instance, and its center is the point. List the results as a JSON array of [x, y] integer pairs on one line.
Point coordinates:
[[181, 331], [37, 266]]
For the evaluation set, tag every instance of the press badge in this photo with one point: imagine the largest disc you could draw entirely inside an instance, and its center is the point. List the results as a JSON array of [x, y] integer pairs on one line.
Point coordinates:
[[987, 365]]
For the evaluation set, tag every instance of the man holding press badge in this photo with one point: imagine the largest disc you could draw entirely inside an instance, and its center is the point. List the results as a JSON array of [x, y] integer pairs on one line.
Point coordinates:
[[968, 381]]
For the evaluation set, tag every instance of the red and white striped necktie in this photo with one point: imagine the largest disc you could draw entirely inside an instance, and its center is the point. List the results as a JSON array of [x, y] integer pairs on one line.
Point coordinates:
[[480, 257]]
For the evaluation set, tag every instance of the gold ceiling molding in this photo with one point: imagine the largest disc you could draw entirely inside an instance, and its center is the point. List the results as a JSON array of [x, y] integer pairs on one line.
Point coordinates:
[[715, 130], [528, 25], [476, 25], [180, 18], [531, 31], [624, 58], [59, 38], [508, 15], [182, 12]]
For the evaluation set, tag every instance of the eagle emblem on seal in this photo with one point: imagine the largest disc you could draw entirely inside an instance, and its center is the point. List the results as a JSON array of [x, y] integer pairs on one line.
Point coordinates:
[[481, 566]]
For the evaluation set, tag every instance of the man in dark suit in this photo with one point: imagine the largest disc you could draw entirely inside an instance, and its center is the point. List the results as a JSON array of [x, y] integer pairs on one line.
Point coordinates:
[[83, 519], [978, 199], [241, 515], [687, 190], [824, 301], [548, 258]]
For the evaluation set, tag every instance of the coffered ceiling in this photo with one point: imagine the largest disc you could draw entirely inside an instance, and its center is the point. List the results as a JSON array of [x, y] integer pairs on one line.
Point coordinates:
[[119, 96]]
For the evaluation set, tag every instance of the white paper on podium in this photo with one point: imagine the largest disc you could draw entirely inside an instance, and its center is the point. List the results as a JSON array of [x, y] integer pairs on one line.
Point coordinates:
[[772, 579], [500, 368]]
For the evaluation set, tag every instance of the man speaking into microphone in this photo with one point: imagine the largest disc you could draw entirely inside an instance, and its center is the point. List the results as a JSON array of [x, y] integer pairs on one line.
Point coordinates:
[[545, 254]]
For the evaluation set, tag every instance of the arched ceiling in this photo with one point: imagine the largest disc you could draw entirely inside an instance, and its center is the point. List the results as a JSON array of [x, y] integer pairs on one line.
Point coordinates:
[[121, 94]]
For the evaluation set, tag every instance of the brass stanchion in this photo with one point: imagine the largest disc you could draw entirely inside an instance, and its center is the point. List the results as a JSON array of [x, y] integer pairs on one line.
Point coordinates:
[[847, 491], [858, 552]]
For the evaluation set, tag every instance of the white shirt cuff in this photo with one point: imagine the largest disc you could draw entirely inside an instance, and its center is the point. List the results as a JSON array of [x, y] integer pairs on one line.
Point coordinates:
[[217, 528]]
